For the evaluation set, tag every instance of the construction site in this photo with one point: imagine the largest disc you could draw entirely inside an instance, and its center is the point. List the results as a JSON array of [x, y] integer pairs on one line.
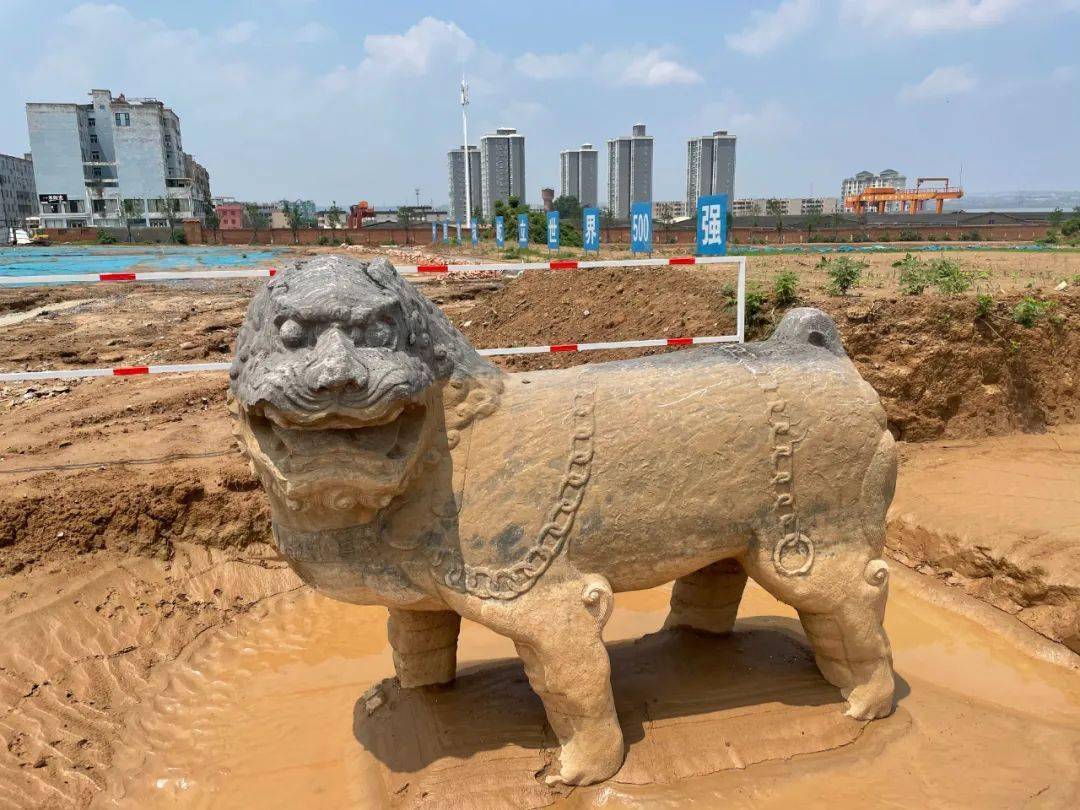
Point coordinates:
[[159, 652], [910, 200]]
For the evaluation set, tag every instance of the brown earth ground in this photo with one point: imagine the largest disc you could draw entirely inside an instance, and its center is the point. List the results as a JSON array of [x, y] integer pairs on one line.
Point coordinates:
[[130, 534]]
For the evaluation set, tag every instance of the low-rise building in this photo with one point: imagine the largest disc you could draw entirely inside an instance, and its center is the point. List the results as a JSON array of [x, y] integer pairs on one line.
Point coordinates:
[[18, 198], [670, 210], [230, 215], [789, 206]]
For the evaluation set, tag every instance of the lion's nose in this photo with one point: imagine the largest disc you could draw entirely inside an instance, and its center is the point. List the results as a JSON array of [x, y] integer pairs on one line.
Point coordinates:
[[338, 365]]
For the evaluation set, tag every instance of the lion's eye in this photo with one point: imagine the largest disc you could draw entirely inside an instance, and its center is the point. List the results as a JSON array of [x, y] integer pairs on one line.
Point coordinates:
[[380, 333], [292, 334]]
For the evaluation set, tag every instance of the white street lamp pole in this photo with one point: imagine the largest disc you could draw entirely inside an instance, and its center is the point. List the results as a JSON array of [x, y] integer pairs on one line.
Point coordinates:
[[465, 151]]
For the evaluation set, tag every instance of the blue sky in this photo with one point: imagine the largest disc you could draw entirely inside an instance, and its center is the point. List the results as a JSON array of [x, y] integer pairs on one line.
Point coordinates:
[[329, 99]]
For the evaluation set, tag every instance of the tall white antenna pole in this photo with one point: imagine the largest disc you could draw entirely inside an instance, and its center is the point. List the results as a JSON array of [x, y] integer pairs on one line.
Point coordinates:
[[465, 151]]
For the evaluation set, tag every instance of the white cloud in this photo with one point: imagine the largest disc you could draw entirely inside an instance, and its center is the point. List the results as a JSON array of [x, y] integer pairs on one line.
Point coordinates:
[[313, 32], [623, 67], [768, 121], [768, 30], [430, 43], [652, 69], [931, 16], [941, 83], [238, 34]]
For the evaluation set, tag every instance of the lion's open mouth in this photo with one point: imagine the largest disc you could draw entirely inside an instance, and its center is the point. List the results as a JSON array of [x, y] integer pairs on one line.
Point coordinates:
[[372, 452]]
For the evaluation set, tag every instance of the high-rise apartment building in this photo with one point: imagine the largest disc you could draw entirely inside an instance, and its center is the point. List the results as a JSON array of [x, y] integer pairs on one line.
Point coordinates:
[[18, 199], [889, 178], [630, 161], [455, 159], [502, 168], [710, 167], [89, 158], [579, 172]]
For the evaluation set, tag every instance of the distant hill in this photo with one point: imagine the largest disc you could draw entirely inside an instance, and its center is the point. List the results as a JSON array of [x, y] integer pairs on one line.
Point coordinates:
[[1015, 201]]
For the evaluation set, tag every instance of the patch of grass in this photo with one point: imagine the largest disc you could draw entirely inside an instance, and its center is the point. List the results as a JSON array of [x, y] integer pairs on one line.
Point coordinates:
[[105, 238], [755, 304], [1030, 311], [948, 277], [844, 273], [785, 289], [917, 275]]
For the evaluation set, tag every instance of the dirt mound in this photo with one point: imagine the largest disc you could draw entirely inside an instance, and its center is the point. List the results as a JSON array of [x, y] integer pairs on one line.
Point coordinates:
[[132, 515], [941, 368]]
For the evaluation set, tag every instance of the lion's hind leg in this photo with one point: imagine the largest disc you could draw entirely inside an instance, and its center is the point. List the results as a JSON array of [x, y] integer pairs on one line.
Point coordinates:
[[708, 599]]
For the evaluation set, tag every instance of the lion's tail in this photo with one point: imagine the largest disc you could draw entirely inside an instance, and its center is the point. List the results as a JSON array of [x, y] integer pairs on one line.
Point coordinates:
[[808, 325]]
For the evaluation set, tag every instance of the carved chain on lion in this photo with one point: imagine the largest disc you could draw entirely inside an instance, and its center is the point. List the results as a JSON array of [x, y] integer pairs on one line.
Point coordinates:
[[792, 541], [512, 581]]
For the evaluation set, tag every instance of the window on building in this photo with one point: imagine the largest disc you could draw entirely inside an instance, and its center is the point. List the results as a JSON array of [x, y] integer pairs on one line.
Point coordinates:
[[93, 138], [97, 172], [123, 119], [135, 203], [75, 207], [95, 155], [90, 122]]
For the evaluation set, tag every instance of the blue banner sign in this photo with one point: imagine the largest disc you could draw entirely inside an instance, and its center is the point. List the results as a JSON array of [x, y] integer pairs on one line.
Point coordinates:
[[590, 231], [475, 233], [500, 232], [523, 230], [641, 227], [445, 231], [712, 225], [553, 230]]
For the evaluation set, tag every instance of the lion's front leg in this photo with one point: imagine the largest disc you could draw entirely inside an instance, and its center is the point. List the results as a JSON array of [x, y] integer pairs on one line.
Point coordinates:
[[425, 645], [568, 667]]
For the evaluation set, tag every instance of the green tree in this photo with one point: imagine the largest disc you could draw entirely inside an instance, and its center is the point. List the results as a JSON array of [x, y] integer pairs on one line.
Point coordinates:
[[294, 215], [406, 216], [333, 216], [130, 209], [813, 222], [256, 219], [569, 208], [213, 221], [775, 208], [1056, 217], [171, 207]]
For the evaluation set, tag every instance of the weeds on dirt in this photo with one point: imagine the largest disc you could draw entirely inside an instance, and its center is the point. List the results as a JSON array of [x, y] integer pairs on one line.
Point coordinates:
[[1030, 311], [105, 238], [916, 275], [984, 305], [844, 273], [785, 289]]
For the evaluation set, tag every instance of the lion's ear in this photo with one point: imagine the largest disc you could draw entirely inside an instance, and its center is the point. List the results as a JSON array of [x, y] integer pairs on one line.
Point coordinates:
[[383, 273]]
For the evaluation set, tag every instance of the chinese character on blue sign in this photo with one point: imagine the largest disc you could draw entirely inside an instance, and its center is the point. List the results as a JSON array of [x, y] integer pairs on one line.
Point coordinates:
[[500, 233], [712, 225], [590, 232], [641, 227], [434, 233], [523, 230], [459, 231], [553, 230], [445, 230], [475, 233]]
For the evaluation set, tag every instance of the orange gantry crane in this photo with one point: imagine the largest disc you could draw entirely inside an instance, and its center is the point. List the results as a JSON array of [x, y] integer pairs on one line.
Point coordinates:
[[911, 200]]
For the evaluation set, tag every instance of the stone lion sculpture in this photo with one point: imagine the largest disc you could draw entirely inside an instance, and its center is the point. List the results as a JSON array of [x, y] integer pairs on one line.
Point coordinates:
[[405, 470]]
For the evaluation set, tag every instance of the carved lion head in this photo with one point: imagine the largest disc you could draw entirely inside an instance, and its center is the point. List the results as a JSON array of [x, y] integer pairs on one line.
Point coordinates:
[[344, 378]]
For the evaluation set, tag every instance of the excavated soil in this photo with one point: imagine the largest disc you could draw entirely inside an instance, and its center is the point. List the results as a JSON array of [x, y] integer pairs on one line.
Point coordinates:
[[131, 538]]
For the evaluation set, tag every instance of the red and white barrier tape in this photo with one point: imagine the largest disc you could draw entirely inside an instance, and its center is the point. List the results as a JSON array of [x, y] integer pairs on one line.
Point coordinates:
[[405, 270], [186, 368]]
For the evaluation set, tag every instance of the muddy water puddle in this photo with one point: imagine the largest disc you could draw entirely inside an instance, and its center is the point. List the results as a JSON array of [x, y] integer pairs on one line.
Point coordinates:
[[263, 715]]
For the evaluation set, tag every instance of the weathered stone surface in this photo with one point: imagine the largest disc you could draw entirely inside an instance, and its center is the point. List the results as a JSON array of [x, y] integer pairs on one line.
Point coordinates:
[[405, 470]]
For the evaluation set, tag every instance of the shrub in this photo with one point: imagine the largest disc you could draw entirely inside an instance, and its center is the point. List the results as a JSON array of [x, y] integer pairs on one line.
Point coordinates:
[[948, 277], [785, 289], [324, 240], [755, 304], [913, 275], [1030, 310], [970, 236], [105, 238], [844, 273], [909, 235], [178, 238], [984, 305]]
